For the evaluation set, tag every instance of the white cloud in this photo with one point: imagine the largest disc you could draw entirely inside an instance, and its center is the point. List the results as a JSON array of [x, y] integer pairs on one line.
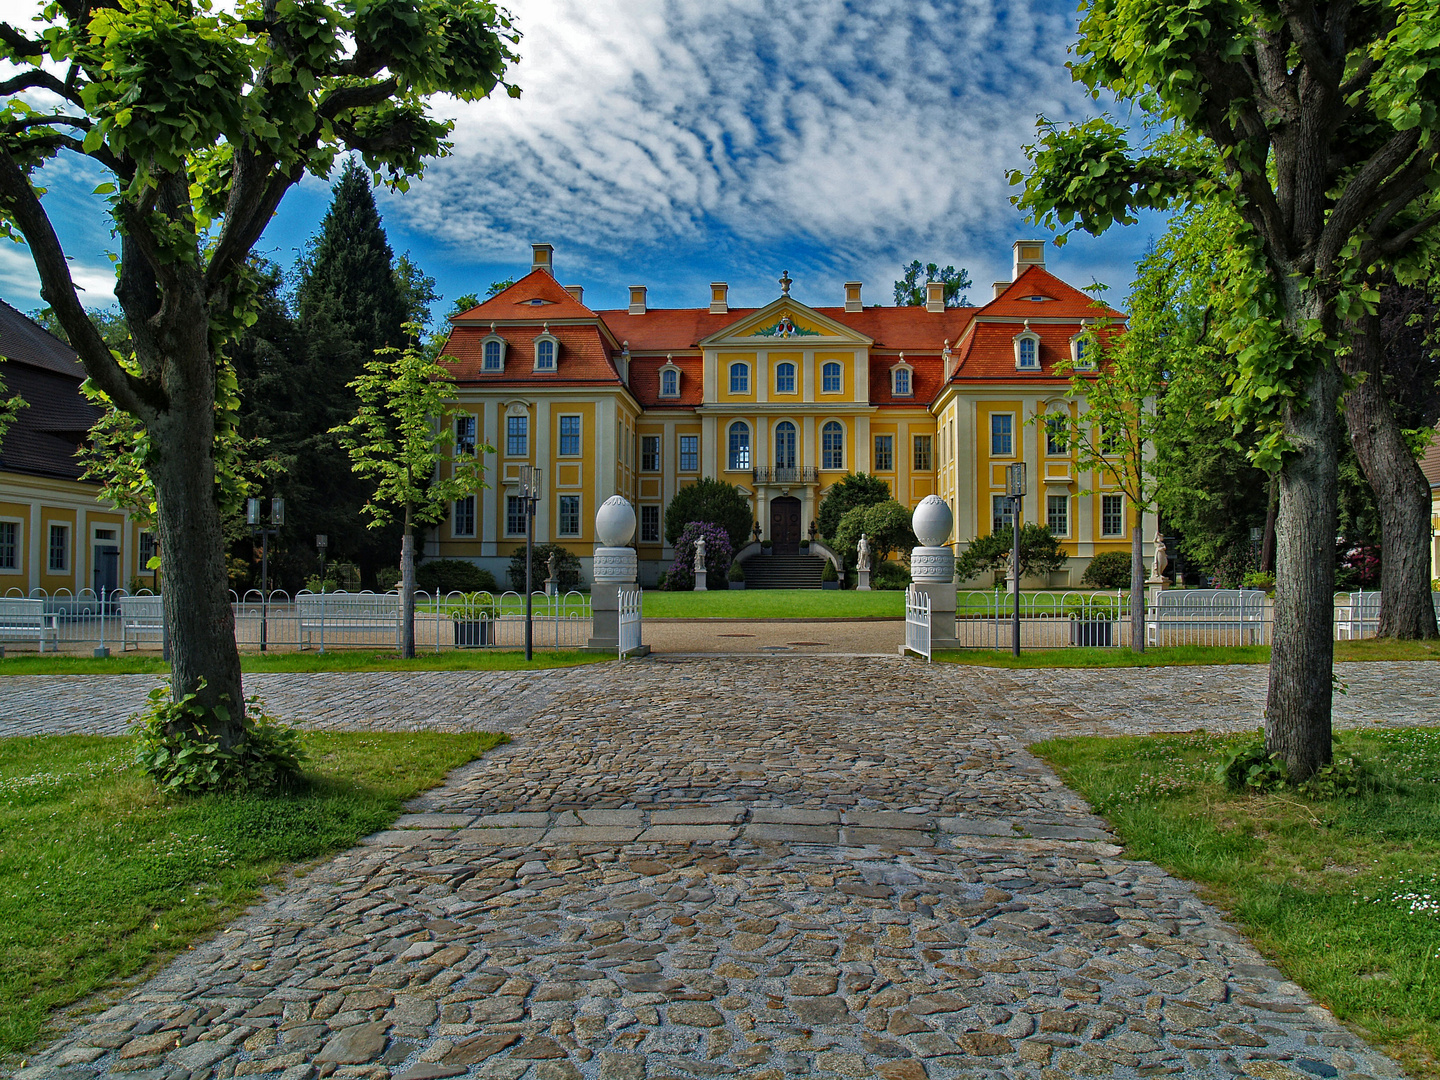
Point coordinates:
[[20, 284]]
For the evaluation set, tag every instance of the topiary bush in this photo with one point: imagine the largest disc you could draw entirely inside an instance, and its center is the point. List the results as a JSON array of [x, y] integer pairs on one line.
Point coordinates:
[[719, 554], [1110, 570], [890, 576], [714, 501], [567, 568], [456, 575]]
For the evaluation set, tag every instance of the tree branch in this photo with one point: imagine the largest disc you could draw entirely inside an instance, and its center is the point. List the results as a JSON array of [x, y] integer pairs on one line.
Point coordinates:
[[38, 79], [356, 97], [20, 45], [21, 123], [1397, 243], [1359, 194]]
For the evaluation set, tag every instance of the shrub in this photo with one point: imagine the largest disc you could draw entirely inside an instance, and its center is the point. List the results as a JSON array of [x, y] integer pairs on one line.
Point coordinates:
[[719, 554], [567, 568], [456, 575], [886, 526], [174, 747], [1110, 570], [714, 501], [388, 577], [850, 491], [828, 574], [737, 572], [890, 576], [1040, 553]]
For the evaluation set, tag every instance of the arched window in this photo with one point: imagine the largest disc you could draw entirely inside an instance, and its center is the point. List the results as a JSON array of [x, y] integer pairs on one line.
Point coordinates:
[[545, 354], [832, 445], [739, 446], [785, 378], [1028, 357], [740, 379], [830, 378], [669, 383], [785, 445], [493, 357], [902, 382]]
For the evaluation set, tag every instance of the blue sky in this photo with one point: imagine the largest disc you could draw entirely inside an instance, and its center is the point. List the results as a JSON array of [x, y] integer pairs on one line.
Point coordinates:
[[672, 143]]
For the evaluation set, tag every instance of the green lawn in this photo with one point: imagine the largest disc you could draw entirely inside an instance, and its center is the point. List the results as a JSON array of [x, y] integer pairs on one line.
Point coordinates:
[[1342, 894], [336, 660], [774, 604], [102, 879], [1180, 656]]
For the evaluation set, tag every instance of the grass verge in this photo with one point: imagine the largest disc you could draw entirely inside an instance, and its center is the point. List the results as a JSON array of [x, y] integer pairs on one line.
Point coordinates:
[[346, 660], [1182, 655], [102, 879], [774, 604], [1343, 894]]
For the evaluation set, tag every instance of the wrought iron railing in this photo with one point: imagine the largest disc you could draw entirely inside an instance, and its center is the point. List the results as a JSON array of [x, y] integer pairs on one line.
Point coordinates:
[[785, 474]]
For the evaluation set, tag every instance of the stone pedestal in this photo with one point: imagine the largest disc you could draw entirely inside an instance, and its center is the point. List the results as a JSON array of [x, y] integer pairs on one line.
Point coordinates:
[[615, 570], [1153, 588], [551, 589], [932, 569], [864, 585], [700, 581]]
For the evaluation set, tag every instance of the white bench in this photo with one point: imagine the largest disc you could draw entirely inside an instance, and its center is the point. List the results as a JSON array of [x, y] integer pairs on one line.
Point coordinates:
[[1357, 615], [1215, 614], [140, 617], [335, 615], [24, 619]]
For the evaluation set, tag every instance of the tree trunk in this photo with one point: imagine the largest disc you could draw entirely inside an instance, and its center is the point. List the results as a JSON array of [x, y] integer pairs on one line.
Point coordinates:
[[1137, 583], [1401, 490], [1267, 541], [407, 590], [1297, 710]]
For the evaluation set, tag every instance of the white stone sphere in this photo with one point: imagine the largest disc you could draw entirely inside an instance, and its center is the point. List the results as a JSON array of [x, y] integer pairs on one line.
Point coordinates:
[[932, 521], [615, 522]]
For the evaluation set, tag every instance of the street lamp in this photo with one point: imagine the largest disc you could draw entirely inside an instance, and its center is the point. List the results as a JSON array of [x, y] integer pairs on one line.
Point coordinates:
[[260, 529], [322, 542], [1015, 489], [530, 492]]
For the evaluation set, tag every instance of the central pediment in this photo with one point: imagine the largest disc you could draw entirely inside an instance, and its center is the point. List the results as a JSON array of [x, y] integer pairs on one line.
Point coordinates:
[[785, 321]]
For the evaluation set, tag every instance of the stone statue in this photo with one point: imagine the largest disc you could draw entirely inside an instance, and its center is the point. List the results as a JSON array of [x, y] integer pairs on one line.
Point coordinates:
[[552, 566], [700, 555], [862, 555], [1161, 559]]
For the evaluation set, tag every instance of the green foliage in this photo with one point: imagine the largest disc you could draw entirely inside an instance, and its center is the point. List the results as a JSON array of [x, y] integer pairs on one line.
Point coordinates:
[[890, 576], [1249, 767], [1040, 553], [828, 573], [496, 288], [851, 490], [910, 289], [714, 501], [387, 577], [737, 572], [453, 575], [567, 568], [886, 527], [1108, 570], [175, 747]]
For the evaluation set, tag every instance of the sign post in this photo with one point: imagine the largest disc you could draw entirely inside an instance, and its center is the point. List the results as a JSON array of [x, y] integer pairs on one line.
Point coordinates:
[[1015, 489]]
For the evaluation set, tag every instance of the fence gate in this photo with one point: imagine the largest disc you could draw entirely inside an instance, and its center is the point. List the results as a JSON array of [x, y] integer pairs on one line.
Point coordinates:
[[630, 626], [917, 623]]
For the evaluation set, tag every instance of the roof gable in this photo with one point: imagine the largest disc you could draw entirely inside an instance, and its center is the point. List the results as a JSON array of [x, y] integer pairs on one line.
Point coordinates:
[[535, 296], [1061, 301], [785, 319]]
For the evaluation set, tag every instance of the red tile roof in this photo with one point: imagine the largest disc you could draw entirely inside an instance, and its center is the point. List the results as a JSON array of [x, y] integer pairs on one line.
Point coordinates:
[[583, 356], [517, 302], [1061, 301], [645, 382], [989, 353], [665, 329], [927, 379]]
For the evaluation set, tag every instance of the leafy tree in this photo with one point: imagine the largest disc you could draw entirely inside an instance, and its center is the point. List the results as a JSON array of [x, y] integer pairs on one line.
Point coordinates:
[[1108, 570], [567, 567], [850, 491], [205, 118], [910, 289], [393, 441], [714, 501], [417, 293], [1318, 125], [1040, 553], [496, 288], [886, 527]]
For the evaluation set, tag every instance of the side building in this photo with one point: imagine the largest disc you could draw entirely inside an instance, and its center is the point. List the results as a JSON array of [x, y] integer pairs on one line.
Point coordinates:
[[54, 534], [781, 401]]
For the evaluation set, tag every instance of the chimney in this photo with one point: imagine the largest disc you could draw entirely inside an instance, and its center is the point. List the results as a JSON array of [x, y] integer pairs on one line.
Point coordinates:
[[1029, 253], [637, 299], [719, 298], [934, 296], [999, 287], [852, 296], [542, 257], [577, 291]]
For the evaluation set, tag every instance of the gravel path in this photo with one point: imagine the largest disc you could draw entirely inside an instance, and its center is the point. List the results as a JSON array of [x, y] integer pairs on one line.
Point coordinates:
[[704, 867]]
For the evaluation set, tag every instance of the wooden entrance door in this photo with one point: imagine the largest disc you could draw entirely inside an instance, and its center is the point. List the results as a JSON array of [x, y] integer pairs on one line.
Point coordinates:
[[785, 525]]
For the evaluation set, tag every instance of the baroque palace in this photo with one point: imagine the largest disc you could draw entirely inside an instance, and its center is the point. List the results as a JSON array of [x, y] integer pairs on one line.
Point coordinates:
[[781, 401]]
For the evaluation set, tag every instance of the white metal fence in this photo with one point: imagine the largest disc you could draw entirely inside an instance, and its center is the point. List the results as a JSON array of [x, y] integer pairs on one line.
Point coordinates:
[[917, 623], [630, 621]]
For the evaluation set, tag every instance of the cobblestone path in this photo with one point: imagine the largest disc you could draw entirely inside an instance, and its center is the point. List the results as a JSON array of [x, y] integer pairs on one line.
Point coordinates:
[[710, 868]]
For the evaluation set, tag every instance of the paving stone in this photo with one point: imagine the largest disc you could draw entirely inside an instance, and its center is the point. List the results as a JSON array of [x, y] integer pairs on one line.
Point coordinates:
[[687, 834], [433, 821], [355, 1045]]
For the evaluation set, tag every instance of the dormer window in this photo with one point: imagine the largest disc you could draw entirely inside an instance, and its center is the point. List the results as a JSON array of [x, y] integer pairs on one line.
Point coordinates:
[[1027, 350], [902, 377], [541, 302], [1081, 352], [669, 379], [546, 349], [492, 351]]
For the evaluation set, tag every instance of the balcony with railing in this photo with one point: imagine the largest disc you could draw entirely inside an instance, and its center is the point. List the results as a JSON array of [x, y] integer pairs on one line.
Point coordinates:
[[785, 474]]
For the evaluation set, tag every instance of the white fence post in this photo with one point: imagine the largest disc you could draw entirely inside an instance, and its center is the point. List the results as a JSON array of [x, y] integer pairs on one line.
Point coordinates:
[[917, 623]]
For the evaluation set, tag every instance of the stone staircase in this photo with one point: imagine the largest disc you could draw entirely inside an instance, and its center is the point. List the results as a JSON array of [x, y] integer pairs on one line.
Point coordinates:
[[783, 571]]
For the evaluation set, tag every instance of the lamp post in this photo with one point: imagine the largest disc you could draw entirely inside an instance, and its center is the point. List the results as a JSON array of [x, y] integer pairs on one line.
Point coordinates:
[[322, 543], [530, 492], [260, 529], [1015, 488]]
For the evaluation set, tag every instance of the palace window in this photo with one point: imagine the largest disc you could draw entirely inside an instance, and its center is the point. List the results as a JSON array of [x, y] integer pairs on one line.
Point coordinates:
[[1112, 515], [1027, 353], [59, 561], [9, 545], [463, 523], [1112, 438], [830, 378], [689, 453], [494, 351], [649, 453], [669, 383], [1057, 435], [901, 380], [1002, 434], [832, 445], [545, 353], [1002, 513], [465, 436], [517, 436], [514, 515], [1057, 514], [785, 379], [649, 524], [569, 436], [569, 516], [739, 378], [785, 445], [884, 453], [739, 458], [922, 453]]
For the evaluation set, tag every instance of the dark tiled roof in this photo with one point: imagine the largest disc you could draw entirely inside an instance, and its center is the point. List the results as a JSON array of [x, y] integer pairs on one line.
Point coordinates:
[[26, 342], [45, 436]]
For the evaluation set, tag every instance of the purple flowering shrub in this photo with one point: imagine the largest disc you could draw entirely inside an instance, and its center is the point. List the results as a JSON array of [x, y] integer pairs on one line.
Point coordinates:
[[718, 557]]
